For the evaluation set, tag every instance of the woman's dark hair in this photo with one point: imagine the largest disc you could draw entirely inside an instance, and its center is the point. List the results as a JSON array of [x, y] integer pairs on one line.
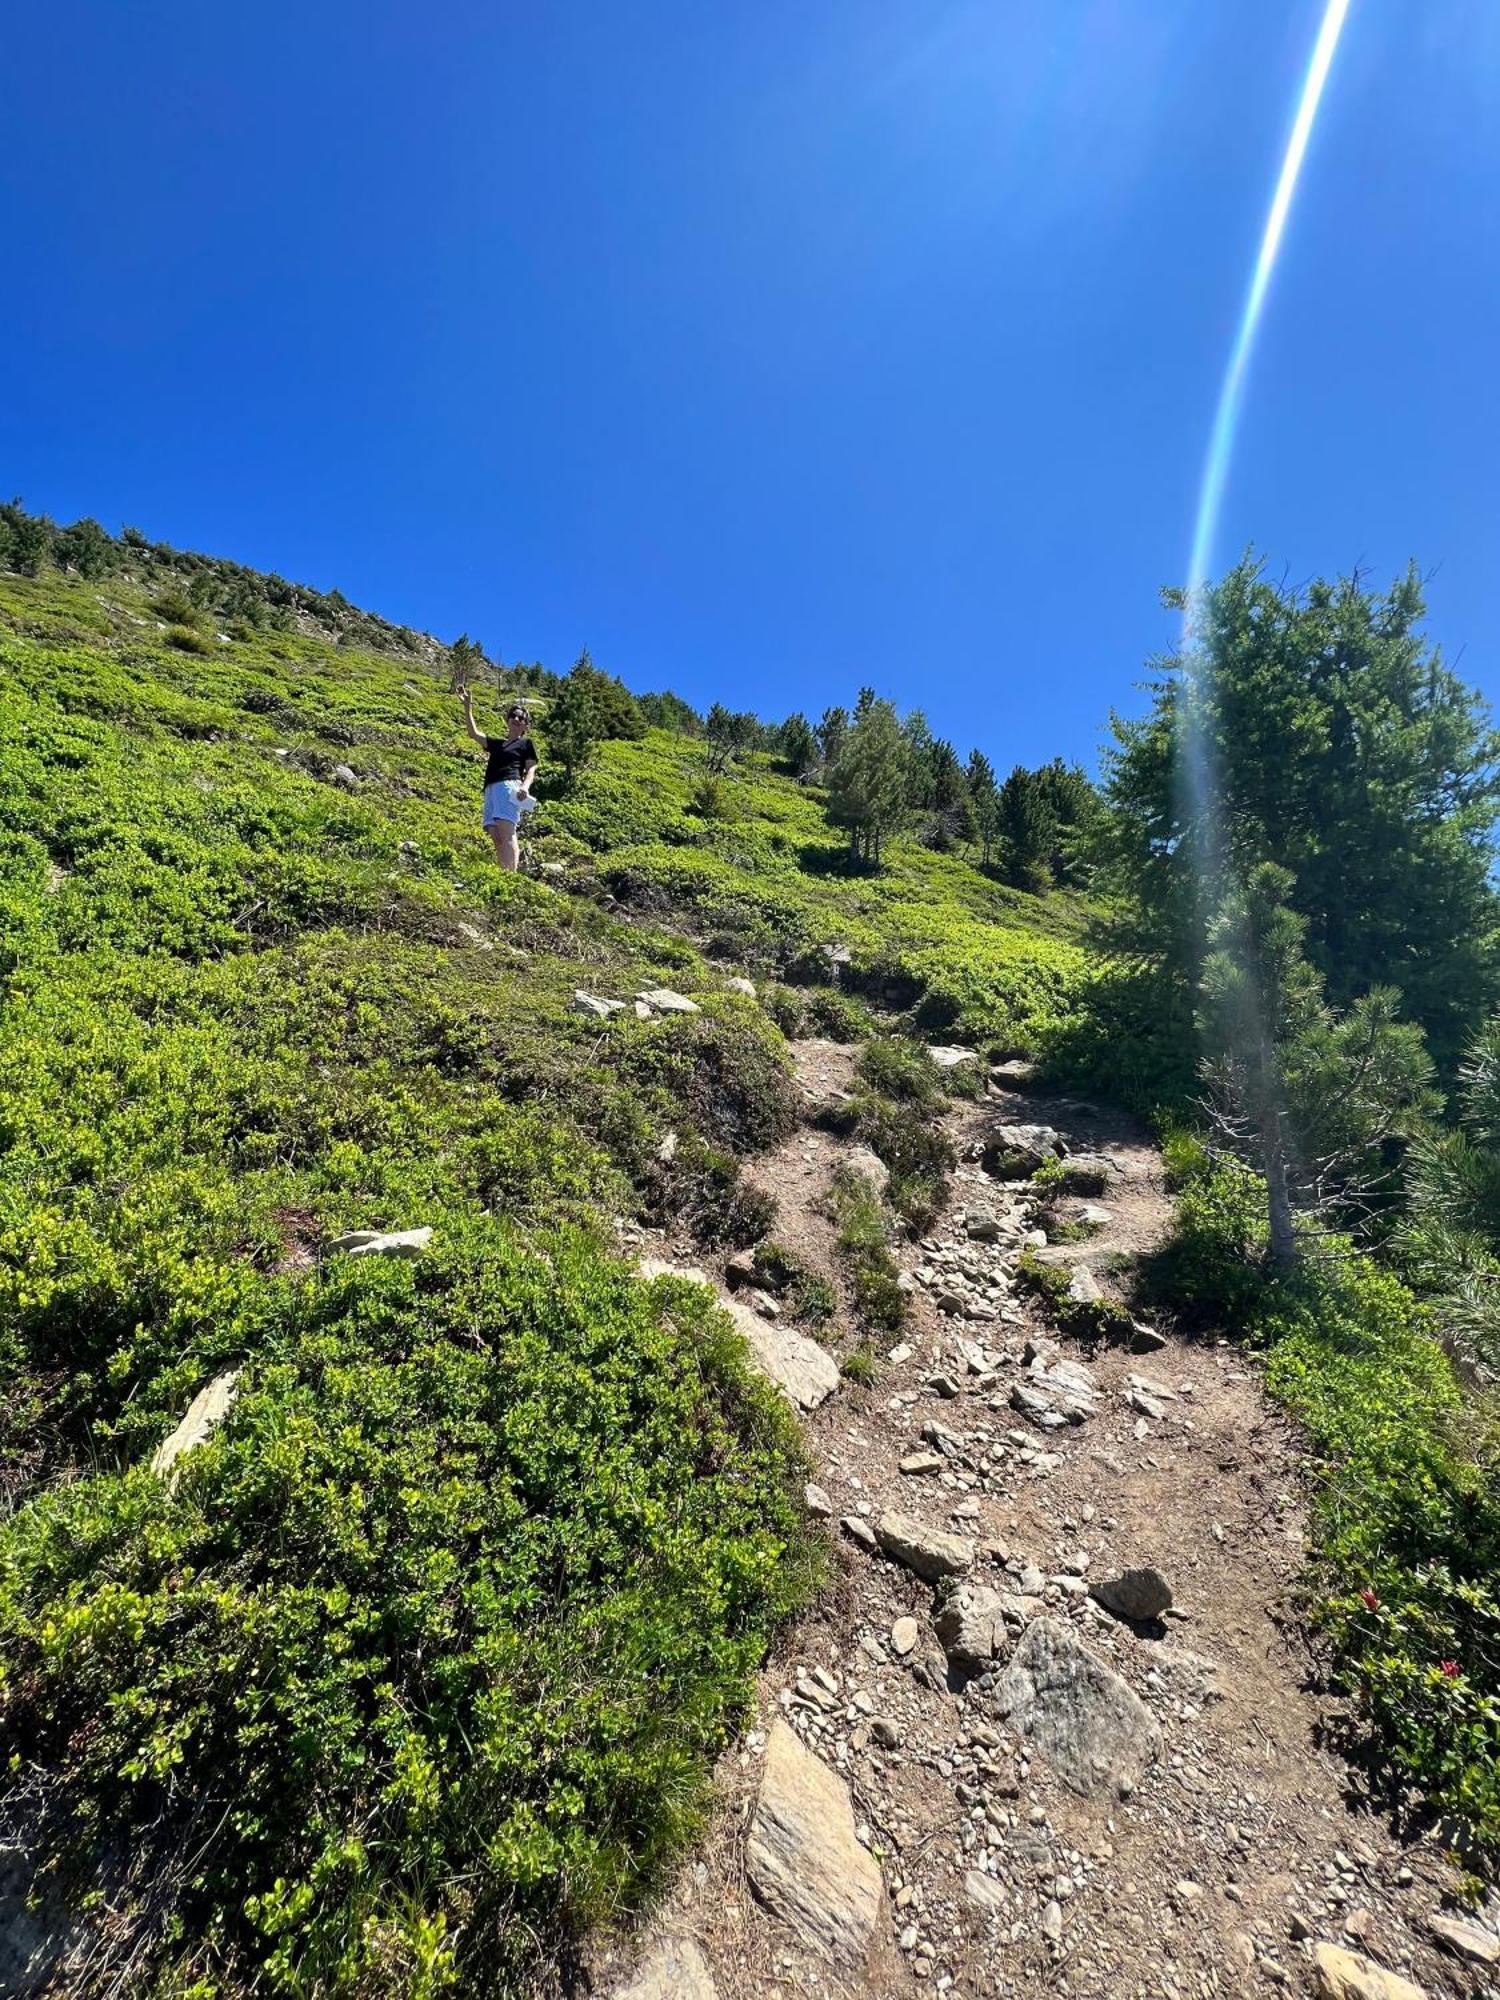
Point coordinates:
[[519, 712]]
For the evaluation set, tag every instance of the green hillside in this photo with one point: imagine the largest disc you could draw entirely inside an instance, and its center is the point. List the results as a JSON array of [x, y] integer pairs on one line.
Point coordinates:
[[418, 1666], [429, 1648]]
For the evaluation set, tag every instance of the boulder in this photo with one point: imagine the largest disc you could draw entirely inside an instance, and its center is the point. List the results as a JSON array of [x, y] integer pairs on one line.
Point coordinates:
[[740, 1270], [382, 1243], [342, 775], [971, 1624], [858, 1529], [1145, 1339], [205, 1413], [1085, 1174], [805, 1373], [930, 1553], [1138, 1595], [1016, 1074], [952, 1058], [740, 985], [816, 1501], [1345, 1975], [1014, 1152], [657, 1267], [1093, 1729], [869, 1166], [1083, 1287], [802, 1857], [674, 1969], [664, 1001]]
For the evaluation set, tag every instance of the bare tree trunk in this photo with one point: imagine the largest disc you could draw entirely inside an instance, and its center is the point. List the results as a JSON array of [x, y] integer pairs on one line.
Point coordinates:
[[1278, 1196]]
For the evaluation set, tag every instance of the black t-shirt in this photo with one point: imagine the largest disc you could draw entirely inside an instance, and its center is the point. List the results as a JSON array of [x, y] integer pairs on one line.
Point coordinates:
[[508, 760]]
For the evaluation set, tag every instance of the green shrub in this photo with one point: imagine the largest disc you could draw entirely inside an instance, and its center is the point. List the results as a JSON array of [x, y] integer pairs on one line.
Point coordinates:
[[865, 1250], [489, 1546], [188, 639], [836, 1016], [1093, 1319], [810, 1297], [860, 1365]]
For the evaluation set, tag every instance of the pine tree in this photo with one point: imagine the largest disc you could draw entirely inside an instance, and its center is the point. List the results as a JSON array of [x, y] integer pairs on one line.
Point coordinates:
[[869, 785], [573, 725], [1327, 737], [1312, 1100], [1027, 833], [797, 744], [832, 731]]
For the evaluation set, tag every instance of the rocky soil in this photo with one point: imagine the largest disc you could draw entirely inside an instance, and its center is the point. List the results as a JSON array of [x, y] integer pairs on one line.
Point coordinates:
[[1054, 1726]]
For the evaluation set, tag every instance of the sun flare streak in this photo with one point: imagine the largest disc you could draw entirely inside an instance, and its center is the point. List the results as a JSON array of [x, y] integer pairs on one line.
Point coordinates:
[[1231, 391]]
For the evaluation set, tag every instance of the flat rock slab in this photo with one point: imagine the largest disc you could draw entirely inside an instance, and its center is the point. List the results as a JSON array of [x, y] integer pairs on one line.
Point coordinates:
[[1345, 1975], [205, 1413], [931, 1553], [951, 1058], [674, 1969], [665, 1001], [382, 1243], [1464, 1939], [803, 1859], [805, 1373], [1091, 1726]]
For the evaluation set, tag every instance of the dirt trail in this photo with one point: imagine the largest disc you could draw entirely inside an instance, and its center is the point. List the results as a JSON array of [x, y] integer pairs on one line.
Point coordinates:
[[1245, 1842]]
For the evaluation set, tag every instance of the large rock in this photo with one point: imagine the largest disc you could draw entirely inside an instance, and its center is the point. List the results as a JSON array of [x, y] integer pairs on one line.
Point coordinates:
[[1085, 1174], [595, 1005], [803, 1859], [674, 1969], [382, 1242], [971, 1624], [931, 1553], [1345, 1975], [984, 1892], [1013, 1152], [951, 1058], [869, 1166], [205, 1413], [665, 1001], [1464, 1939], [739, 984], [1094, 1730], [1138, 1595], [805, 1373]]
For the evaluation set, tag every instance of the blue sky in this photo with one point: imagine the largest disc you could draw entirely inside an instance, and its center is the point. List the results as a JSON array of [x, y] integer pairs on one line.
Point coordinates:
[[767, 349]]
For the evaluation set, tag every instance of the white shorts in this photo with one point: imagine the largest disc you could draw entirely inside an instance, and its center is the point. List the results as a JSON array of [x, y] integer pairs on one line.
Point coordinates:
[[503, 804]]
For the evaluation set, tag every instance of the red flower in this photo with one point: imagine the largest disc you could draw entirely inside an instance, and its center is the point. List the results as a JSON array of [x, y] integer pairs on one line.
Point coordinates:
[[1448, 1669], [1368, 1598]]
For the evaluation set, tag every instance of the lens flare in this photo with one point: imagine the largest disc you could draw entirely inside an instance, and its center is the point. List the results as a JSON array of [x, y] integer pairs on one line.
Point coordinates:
[[1232, 389]]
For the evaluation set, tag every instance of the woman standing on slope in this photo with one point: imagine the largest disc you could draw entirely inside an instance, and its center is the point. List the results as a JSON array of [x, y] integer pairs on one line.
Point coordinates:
[[508, 774]]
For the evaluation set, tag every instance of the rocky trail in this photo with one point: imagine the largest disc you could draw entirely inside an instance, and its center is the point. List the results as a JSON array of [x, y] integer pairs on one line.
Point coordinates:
[[1054, 1726]]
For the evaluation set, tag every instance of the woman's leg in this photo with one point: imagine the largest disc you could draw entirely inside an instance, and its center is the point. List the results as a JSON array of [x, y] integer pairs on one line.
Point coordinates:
[[507, 849]]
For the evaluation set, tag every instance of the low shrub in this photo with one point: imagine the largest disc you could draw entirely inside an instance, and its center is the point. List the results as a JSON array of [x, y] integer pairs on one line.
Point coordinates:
[[188, 639], [865, 1249], [810, 1297], [428, 1648]]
